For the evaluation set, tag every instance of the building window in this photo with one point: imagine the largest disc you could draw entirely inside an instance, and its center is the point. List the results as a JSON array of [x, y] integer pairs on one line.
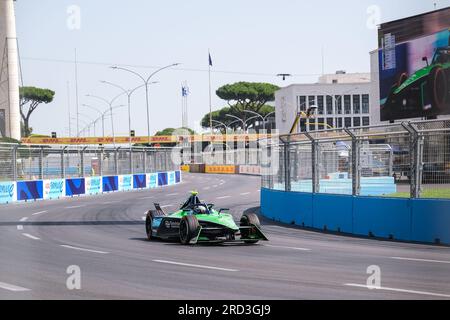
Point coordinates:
[[329, 105], [338, 104], [302, 103], [356, 104], [365, 121], [365, 103], [348, 122], [320, 104], [312, 125], [347, 104], [311, 101], [356, 121], [320, 124], [330, 123], [339, 122]]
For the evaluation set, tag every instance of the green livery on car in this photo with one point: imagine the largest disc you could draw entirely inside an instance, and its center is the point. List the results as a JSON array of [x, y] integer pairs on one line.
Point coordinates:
[[197, 222]]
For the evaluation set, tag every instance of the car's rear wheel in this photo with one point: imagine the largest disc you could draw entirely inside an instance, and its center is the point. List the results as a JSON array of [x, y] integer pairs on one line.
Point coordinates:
[[248, 220], [148, 225], [188, 229], [438, 87]]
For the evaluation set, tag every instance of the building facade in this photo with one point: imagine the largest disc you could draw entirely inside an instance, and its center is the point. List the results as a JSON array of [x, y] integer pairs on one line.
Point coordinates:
[[339, 100]]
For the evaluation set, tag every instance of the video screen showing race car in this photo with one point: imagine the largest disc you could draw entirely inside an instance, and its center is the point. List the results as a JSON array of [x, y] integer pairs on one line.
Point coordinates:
[[414, 66]]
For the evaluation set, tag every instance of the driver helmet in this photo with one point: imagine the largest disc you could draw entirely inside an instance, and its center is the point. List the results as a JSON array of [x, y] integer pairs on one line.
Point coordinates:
[[201, 209]]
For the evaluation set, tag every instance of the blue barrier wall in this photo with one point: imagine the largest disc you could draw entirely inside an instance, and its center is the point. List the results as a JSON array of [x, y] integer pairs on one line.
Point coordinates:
[[110, 183], [139, 181], [421, 220], [75, 187]]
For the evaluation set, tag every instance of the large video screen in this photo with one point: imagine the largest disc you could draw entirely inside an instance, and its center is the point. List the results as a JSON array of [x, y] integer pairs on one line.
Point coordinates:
[[414, 66]]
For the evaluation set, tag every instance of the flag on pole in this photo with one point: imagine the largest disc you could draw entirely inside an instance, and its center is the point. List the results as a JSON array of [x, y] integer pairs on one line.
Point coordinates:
[[210, 60]]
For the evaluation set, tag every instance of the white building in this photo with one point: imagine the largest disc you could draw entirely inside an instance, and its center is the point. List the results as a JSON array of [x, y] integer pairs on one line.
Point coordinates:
[[342, 100], [9, 73]]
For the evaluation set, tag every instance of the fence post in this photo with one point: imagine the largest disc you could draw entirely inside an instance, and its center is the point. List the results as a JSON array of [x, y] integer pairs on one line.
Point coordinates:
[[100, 162], [144, 165], [314, 163], [287, 162], [131, 160], [415, 147], [82, 162], [63, 167], [14, 164], [41, 163], [356, 168]]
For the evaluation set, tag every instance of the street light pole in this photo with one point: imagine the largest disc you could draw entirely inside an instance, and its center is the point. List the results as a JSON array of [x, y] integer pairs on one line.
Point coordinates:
[[264, 118], [146, 83], [101, 116]]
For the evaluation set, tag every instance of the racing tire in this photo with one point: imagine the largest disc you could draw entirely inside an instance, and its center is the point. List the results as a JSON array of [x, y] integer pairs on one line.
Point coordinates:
[[188, 229], [438, 88], [249, 219], [148, 225]]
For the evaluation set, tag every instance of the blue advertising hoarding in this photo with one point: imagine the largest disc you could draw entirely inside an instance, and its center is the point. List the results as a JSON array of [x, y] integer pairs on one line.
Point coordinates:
[[93, 185], [139, 181], [177, 176], [171, 178], [75, 187], [110, 183], [8, 192], [162, 178], [30, 190], [54, 189]]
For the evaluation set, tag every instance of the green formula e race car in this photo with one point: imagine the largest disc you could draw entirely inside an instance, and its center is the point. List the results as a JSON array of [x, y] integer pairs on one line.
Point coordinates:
[[424, 93], [197, 222]]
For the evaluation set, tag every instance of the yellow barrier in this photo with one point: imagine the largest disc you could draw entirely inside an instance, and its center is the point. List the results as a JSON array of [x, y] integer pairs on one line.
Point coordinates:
[[226, 169]]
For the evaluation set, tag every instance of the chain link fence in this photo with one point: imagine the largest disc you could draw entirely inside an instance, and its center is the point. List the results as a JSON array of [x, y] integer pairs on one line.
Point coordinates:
[[407, 160], [18, 162]]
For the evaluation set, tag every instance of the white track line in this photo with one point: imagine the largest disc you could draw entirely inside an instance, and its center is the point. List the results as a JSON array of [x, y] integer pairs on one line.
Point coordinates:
[[206, 188], [244, 193], [30, 236], [12, 287], [194, 265], [83, 249], [421, 260], [425, 293], [75, 207], [23, 219], [284, 247], [171, 194], [36, 213], [145, 198], [223, 197]]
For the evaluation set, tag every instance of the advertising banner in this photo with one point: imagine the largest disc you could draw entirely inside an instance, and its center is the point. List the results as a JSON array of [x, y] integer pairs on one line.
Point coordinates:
[[414, 66], [125, 182], [30, 190], [93, 185], [177, 176], [8, 192], [54, 189], [162, 179], [75, 187], [152, 180], [139, 181], [249, 169], [110, 183]]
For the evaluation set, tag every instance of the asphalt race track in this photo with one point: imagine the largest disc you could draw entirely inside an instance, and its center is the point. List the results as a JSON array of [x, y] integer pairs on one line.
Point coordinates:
[[104, 235]]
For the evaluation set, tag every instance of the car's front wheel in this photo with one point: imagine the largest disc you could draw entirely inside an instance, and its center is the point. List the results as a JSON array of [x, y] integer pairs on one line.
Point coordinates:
[[188, 229], [249, 220], [148, 225]]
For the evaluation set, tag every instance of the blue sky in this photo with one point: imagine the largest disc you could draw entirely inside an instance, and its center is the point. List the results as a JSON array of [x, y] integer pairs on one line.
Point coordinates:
[[250, 40]]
